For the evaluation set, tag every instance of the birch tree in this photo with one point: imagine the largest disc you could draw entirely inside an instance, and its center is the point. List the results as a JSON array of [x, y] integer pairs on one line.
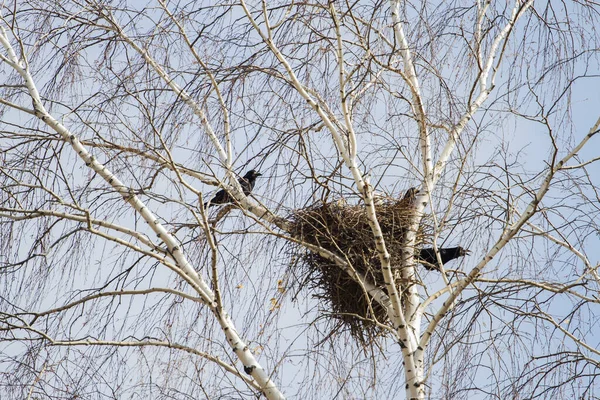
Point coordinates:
[[118, 121]]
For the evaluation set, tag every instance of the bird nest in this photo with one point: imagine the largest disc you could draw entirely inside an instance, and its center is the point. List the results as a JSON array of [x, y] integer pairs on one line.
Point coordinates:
[[344, 230]]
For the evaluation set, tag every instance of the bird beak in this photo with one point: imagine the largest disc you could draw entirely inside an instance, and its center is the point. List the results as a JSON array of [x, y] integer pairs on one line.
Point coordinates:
[[467, 252]]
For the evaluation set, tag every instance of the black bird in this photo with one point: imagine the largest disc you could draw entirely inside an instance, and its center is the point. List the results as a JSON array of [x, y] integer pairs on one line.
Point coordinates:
[[410, 195], [247, 184], [429, 260]]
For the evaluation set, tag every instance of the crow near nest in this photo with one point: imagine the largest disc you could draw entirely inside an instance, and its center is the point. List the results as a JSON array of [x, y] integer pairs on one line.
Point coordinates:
[[429, 260], [247, 184]]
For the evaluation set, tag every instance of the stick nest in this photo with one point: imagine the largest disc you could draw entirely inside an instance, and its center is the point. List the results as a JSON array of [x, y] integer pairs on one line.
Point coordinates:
[[345, 231]]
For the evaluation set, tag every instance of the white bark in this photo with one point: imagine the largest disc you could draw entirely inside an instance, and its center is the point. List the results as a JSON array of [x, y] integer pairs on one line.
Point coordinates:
[[184, 268], [416, 97], [407, 339]]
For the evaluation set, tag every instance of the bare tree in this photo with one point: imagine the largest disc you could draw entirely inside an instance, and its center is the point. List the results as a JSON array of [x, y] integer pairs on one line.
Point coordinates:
[[379, 128]]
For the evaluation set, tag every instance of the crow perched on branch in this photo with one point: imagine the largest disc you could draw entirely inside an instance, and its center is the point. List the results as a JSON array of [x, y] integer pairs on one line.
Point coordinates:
[[247, 184], [429, 260]]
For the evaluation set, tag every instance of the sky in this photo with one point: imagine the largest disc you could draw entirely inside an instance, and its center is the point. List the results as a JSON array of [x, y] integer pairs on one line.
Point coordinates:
[[524, 142]]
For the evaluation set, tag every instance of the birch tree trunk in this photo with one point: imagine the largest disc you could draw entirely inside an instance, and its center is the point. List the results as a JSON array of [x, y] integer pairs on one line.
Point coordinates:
[[119, 121]]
